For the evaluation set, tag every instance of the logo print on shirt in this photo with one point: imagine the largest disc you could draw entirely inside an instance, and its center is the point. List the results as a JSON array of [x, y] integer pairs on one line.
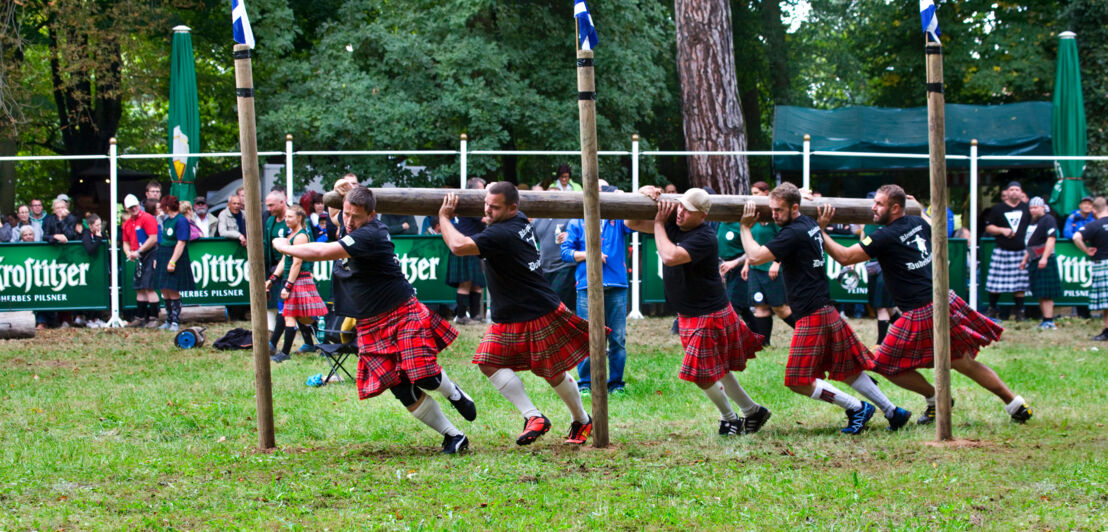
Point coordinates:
[[1014, 218]]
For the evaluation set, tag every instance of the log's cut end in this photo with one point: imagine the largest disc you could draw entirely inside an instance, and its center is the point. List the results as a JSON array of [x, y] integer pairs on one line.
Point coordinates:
[[19, 324]]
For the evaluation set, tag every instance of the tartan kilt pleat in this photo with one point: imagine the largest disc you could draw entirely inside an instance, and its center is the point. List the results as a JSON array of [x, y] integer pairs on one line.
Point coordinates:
[[547, 346], [825, 345], [910, 343], [1005, 274], [304, 300], [1098, 290], [715, 344], [404, 340], [462, 269], [1045, 283]]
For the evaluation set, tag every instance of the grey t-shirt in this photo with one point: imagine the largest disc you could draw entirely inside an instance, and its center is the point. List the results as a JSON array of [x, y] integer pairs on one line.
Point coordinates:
[[550, 251]]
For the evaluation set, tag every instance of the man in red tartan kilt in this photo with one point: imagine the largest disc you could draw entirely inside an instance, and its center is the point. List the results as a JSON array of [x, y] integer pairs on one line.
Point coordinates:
[[716, 342], [398, 338], [903, 247], [531, 329], [823, 345]]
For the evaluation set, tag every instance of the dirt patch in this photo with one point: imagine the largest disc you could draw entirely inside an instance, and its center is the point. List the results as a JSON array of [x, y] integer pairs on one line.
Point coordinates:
[[959, 443]]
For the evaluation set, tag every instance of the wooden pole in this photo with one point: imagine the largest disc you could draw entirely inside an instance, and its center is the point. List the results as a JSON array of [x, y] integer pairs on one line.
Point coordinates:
[[936, 126], [248, 141], [590, 177], [613, 206]]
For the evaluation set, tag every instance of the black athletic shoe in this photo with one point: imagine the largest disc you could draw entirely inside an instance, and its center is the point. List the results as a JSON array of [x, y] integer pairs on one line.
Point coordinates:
[[533, 427], [280, 357], [1102, 337], [455, 444], [729, 427], [1022, 415], [755, 421], [900, 418], [928, 415], [856, 419], [464, 405]]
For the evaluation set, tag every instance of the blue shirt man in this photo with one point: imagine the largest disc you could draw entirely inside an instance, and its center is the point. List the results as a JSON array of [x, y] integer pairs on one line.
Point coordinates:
[[1079, 217], [613, 245]]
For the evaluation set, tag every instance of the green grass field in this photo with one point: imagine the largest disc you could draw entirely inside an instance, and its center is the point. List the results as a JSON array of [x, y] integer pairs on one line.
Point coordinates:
[[117, 429]]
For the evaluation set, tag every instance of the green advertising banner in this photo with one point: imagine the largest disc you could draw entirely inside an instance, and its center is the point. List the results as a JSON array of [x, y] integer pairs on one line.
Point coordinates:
[[221, 274], [652, 291], [1074, 268], [41, 276]]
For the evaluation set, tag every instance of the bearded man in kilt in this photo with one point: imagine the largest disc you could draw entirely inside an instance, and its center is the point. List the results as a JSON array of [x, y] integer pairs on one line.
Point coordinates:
[[823, 345], [903, 247], [1092, 239], [715, 340], [1040, 262], [1008, 222], [532, 329], [399, 339]]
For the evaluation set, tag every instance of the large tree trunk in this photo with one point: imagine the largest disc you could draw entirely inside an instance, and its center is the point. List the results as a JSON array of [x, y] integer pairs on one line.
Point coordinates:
[[709, 95]]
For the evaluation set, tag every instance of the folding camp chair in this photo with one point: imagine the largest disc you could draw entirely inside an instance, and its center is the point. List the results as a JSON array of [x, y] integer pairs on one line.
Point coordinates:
[[337, 353]]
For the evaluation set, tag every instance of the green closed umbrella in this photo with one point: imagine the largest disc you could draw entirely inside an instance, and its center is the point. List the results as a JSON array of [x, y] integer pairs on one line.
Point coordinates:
[[1068, 128], [184, 117]]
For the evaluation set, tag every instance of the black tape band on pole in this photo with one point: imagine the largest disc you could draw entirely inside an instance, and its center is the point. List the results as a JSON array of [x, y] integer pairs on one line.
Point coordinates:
[[584, 62], [935, 87], [586, 95], [242, 54], [933, 50], [245, 93]]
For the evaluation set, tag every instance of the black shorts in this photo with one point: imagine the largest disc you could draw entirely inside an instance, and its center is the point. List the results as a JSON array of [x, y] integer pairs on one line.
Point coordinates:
[[766, 291]]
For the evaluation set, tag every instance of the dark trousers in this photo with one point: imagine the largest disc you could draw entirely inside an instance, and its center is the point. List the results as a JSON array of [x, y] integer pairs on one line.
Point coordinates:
[[564, 284]]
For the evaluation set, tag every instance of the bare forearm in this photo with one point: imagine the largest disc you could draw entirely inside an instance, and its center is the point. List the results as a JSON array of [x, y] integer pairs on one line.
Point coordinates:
[[177, 251]]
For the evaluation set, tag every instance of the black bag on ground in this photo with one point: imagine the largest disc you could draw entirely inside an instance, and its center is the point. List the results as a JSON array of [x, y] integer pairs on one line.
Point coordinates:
[[237, 338]]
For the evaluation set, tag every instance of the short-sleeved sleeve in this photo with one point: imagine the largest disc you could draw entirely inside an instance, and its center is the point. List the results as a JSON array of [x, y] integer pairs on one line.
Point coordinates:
[[783, 243], [360, 243], [491, 239], [876, 242], [699, 244], [149, 225], [181, 227]]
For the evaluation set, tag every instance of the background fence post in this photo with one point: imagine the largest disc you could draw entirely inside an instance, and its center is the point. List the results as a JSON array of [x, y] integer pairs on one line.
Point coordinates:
[[462, 160], [972, 224], [113, 251], [807, 161], [288, 169], [636, 285]]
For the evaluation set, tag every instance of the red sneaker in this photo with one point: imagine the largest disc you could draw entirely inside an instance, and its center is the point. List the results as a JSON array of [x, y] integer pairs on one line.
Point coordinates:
[[534, 427], [579, 432]]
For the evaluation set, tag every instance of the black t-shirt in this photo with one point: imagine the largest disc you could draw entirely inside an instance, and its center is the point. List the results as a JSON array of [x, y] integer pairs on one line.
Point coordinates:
[[370, 281], [468, 226], [513, 270], [1016, 218], [1045, 228], [903, 248], [695, 288], [1095, 235], [799, 249]]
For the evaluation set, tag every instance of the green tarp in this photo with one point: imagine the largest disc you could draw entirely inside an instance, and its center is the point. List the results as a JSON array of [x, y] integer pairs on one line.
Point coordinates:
[[1011, 129]]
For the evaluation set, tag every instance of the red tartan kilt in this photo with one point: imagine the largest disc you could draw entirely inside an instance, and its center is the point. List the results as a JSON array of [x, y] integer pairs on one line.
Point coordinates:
[[304, 300], [715, 344], [548, 346], [910, 341], [404, 340], [824, 346]]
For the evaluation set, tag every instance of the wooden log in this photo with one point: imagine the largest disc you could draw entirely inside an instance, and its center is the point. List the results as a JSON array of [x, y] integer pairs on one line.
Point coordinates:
[[940, 280], [19, 324], [613, 205]]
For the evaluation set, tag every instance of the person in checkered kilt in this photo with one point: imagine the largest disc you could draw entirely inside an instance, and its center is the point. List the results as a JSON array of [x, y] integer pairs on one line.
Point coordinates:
[[399, 339], [1092, 239], [1040, 262], [302, 301], [717, 343], [1007, 223], [532, 329], [903, 248], [823, 344]]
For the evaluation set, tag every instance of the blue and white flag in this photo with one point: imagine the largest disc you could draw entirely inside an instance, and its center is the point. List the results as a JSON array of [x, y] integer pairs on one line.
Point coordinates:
[[586, 32], [929, 20], [241, 23]]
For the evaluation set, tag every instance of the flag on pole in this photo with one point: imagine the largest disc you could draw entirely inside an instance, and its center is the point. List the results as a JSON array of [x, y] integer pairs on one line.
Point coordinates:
[[586, 32], [241, 23], [929, 20]]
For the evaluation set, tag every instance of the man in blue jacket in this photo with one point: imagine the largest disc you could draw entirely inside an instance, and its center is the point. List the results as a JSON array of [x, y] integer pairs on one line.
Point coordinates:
[[613, 246], [1079, 217]]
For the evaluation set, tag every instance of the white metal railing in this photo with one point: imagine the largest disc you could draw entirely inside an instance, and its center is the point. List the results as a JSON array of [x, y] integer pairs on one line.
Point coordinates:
[[463, 153]]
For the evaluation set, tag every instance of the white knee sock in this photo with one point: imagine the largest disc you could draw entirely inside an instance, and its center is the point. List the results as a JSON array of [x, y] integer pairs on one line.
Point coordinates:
[[1015, 405], [430, 414], [448, 389], [931, 401], [735, 391], [571, 396], [866, 386], [715, 393], [508, 384], [825, 391]]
